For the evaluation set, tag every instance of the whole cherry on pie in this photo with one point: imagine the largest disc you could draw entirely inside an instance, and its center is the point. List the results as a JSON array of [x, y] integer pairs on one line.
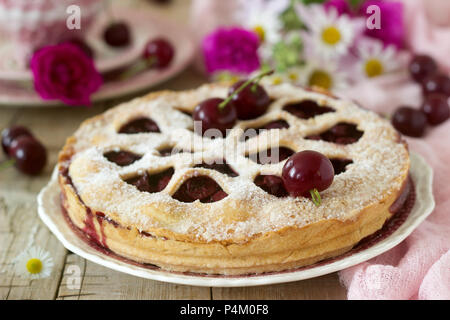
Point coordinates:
[[306, 173], [251, 102], [214, 114], [221, 114]]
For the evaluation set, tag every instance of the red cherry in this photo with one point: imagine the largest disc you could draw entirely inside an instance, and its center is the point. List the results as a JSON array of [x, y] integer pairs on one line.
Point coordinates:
[[29, 154], [306, 171], [122, 158], [159, 52], [214, 117], [436, 83], [117, 34], [436, 108], [251, 102], [422, 66], [409, 121], [12, 133]]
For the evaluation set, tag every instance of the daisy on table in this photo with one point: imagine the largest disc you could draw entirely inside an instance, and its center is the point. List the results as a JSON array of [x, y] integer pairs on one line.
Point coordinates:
[[331, 34], [34, 263], [376, 60]]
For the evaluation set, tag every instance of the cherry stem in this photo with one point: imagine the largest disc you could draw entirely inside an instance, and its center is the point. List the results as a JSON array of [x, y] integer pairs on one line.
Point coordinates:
[[138, 67], [7, 164], [243, 86], [315, 196]]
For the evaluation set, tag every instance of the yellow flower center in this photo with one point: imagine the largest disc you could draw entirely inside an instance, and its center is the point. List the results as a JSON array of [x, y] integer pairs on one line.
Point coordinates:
[[373, 68], [331, 35], [293, 76], [259, 30], [277, 80], [34, 266], [320, 78]]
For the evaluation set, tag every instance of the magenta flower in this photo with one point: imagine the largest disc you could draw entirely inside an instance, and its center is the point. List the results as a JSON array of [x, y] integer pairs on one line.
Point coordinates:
[[234, 50], [391, 18], [341, 6], [64, 72]]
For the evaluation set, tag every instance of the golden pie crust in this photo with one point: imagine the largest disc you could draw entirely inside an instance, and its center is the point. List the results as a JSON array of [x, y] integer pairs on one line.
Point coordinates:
[[249, 231]]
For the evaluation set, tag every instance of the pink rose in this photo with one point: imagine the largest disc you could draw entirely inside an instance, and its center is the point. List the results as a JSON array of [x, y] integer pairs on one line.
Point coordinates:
[[64, 72]]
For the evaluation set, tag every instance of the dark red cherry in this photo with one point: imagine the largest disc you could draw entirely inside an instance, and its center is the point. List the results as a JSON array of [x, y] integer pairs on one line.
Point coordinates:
[[436, 83], [122, 158], [436, 108], [409, 121], [139, 125], [80, 43], [212, 116], [117, 34], [12, 133], [29, 154], [159, 53], [422, 66], [201, 188], [305, 171], [251, 102], [307, 109], [152, 183]]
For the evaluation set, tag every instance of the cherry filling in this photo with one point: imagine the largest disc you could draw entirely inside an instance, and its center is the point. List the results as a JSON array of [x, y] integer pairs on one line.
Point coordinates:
[[151, 183], [271, 184], [271, 156], [253, 132], [341, 133], [201, 188], [307, 109], [221, 167], [139, 125], [122, 158], [170, 151], [340, 165]]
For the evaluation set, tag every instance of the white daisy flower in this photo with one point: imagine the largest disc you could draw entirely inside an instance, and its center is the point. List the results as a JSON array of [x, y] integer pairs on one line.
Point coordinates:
[[376, 60], [323, 74], [332, 35], [34, 263], [263, 17]]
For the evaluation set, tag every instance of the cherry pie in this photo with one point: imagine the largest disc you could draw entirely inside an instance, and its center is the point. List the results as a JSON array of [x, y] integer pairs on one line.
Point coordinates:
[[140, 181]]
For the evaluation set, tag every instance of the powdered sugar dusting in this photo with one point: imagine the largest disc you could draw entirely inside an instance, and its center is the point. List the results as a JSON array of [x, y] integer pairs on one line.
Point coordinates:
[[379, 159]]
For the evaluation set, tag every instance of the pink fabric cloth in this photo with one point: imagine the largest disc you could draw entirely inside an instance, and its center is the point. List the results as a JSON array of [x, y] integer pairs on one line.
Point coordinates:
[[419, 267]]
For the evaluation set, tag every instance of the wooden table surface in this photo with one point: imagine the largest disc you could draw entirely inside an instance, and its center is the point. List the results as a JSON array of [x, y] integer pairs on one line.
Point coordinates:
[[20, 225]]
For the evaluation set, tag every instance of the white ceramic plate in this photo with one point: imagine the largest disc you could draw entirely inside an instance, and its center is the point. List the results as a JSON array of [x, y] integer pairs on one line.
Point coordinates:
[[51, 215]]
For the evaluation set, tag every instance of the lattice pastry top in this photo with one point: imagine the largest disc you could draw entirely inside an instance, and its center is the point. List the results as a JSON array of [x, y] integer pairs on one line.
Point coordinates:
[[139, 180]]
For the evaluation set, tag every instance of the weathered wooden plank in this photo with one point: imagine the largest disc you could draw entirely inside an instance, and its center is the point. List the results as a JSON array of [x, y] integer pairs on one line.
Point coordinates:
[[100, 283], [20, 227], [325, 287]]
